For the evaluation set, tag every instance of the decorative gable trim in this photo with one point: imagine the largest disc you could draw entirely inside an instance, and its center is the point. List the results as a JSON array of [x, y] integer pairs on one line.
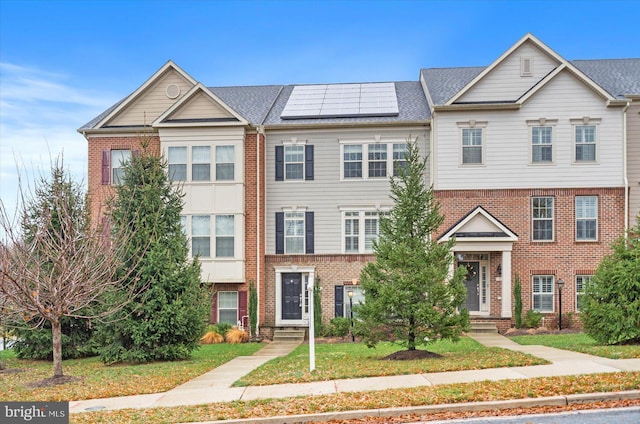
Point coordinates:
[[133, 96], [500, 232], [164, 120], [562, 65]]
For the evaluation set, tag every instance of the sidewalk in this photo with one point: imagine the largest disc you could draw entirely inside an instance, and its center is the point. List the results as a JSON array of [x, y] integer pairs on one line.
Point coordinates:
[[214, 386]]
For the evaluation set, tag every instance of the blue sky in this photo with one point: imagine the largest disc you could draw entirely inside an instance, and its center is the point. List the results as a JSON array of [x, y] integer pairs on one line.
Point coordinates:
[[64, 62]]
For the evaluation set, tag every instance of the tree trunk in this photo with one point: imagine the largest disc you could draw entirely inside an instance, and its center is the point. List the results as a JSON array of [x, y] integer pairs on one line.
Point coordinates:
[[412, 333], [56, 330]]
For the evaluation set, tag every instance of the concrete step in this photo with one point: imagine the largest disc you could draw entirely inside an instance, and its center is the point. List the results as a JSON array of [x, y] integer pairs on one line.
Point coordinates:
[[483, 327], [293, 336]]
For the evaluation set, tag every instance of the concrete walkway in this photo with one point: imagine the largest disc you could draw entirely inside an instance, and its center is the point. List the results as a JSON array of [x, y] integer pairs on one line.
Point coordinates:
[[215, 386]]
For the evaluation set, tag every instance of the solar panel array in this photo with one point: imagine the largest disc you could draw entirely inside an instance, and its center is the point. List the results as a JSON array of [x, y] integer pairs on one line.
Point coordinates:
[[341, 100]]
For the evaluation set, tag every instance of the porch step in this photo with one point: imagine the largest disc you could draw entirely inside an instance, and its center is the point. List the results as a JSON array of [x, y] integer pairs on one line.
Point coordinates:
[[483, 327], [290, 336]]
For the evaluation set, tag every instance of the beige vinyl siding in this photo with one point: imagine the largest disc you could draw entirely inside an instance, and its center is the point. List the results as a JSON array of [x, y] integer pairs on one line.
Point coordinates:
[[152, 102], [201, 106], [215, 198], [507, 143], [505, 82], [326, 194], [633, 159]]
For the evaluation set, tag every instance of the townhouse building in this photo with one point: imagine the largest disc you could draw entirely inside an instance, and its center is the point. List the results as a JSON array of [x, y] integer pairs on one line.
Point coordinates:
[[534, 159]]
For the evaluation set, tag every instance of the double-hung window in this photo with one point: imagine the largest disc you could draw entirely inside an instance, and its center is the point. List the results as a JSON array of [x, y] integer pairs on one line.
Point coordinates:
[[360, 229], [543, 293], [399, 158], [118, 159], [294, 232], [377, 154], [225, 240], [294, 162], [471, 146], [225, 163], [201, 163], [585, 141], [581, 283], [177, 158], [352, 160], [228, 307], [201, 236], [542, 144], [586, 218], [542, 218]]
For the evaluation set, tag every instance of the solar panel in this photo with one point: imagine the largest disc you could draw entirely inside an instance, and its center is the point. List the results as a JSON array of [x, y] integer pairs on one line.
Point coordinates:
[[341, 100]]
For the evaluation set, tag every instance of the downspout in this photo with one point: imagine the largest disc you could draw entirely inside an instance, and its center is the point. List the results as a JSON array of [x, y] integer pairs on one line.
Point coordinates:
[[624, 168], [259, 130]]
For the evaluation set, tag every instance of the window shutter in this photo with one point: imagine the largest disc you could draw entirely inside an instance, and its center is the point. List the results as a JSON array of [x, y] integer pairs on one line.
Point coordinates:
[[279, 163], [279, 232], [308, 222], [214, 308], [106, 167], [339, 301], [242, 308], [308, 162]]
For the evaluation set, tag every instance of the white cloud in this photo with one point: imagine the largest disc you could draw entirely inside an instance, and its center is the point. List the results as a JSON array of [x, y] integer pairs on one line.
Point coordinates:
[[39, 115]]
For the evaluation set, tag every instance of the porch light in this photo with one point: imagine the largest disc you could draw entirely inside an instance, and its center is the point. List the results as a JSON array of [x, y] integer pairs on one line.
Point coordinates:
[[560, 284]]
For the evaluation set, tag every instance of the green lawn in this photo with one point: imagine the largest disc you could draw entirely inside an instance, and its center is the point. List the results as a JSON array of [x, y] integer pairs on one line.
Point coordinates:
[[99, 380], [353, 360], [580, 343]]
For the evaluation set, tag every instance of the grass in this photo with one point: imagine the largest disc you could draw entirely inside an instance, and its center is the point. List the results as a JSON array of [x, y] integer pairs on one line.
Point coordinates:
[[354, 360], [580, 342], [99, 380], [427, 395]]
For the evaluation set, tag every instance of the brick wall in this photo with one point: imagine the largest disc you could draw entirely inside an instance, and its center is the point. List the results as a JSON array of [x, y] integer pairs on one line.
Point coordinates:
[[564, 257]]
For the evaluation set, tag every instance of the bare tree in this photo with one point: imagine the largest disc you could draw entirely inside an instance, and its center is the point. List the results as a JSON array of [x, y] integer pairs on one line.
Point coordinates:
[[54, 263]]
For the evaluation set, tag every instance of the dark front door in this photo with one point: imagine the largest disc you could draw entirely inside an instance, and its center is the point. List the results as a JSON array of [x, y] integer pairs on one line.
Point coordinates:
[[473, 285], [291, 296]]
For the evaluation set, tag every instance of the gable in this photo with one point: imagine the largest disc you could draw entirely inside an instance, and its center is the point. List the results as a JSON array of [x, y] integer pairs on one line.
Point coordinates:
[[145, 106], [479, 225], [508, 81], [201, 106]]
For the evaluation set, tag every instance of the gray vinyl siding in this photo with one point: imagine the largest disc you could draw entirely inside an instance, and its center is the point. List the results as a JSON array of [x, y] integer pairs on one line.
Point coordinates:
[[633, 149], [507, 143], [326, 193]]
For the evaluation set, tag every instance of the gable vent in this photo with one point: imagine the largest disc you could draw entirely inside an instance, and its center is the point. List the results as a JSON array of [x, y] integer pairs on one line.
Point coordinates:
[[526, 66]]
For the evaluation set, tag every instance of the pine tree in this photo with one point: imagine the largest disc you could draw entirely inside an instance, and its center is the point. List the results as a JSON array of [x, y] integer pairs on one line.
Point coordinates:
[[166, 321], [610, 307], [409, 295]]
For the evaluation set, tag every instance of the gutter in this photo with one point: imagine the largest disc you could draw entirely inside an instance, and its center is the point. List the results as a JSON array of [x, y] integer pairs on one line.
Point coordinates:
[[624, 167], [259, 130]]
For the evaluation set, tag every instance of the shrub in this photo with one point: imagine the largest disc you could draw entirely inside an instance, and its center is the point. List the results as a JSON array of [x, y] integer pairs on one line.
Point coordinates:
[[235, 336], [221, 328], [532, 319], [517, 309], [339, 327], [211, 337]]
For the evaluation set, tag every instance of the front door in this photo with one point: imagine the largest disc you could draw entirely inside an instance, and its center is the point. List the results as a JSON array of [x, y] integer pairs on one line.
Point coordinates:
[[472, 282], [291, 296]]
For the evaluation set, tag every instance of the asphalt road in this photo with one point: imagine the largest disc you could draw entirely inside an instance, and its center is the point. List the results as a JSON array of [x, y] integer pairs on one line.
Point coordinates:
[[630, 415]]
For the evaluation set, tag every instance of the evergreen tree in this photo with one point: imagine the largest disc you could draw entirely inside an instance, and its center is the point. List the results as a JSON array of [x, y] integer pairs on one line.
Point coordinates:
[[166, 320], [610, 308], [409, 295]]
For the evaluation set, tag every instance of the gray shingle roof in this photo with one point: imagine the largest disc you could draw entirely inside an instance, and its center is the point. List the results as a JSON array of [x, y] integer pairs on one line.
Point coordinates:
[[619, 77], [91, 124], [252, 102], [444, 83], [412, 106]]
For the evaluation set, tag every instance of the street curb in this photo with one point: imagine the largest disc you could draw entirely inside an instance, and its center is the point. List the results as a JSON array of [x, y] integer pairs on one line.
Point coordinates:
[[431, 409]]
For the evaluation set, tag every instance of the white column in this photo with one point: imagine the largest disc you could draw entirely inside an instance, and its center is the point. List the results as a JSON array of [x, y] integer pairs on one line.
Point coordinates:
[[506, 284]]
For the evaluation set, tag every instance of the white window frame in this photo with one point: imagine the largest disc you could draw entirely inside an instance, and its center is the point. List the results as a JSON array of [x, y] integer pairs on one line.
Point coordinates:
[[202, 236], [116, 171], [397, 161], [365, 161], [364, 239], [180, 164], [581, 216], [220, 162], [226, 236], [220, 308], [546, 218], [542, 123], [378, 154], [190, 162], [581, 281], [543, 279], [584, 123], [300, 163], [294, 215], [197, 162]]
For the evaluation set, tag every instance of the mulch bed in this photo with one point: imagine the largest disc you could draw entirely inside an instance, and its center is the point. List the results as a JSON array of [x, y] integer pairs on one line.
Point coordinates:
[[53, 381], [408, 355]]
